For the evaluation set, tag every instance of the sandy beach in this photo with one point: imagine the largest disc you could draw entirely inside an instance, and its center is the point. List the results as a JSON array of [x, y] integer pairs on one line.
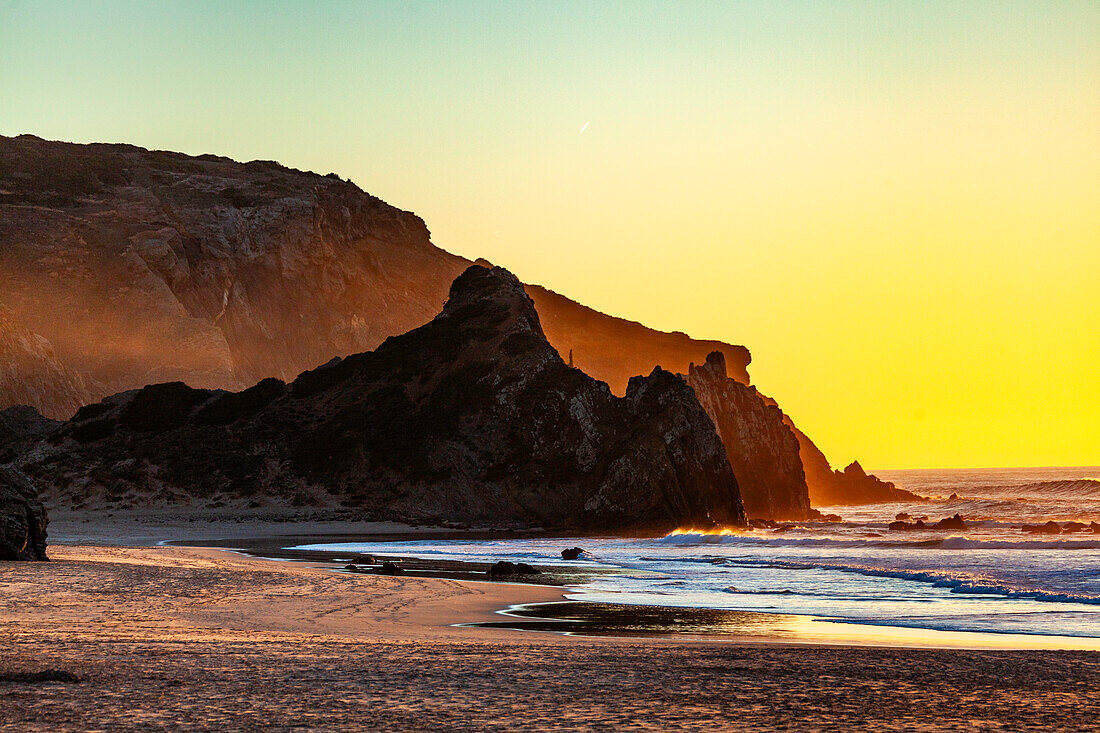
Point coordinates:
[[200, 639]]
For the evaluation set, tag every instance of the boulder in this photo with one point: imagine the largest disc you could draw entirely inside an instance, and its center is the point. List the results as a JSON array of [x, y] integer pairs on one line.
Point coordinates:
[[503, 567], [948, 523], [572, 553], [23, 518], [1051, 527], [955, 522]]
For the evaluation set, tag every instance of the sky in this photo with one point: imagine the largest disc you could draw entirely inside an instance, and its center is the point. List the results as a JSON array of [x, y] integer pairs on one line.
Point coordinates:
[[895, 206]]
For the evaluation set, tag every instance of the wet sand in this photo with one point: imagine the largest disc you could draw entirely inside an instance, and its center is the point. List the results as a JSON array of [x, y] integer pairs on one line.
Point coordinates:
[[197, 639]]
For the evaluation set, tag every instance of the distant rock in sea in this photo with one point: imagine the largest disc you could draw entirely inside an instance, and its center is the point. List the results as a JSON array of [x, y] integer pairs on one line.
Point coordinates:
[[473, 417], [853, 485]]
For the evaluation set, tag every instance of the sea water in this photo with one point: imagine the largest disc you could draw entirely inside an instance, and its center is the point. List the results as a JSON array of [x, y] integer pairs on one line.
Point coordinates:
[[992, 577]]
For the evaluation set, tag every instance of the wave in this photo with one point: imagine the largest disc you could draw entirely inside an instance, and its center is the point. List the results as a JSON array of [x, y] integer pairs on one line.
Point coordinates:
[[953, 542], [956, 582], [1082, 487]]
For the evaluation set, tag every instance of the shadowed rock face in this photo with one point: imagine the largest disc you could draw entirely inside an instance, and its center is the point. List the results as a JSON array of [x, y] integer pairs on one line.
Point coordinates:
[[22, 518], [473, 417], [763, 451], [140, 266]]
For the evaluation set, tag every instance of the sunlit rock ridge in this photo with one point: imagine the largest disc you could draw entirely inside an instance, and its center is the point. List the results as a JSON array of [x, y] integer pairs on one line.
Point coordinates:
[[471, 418]]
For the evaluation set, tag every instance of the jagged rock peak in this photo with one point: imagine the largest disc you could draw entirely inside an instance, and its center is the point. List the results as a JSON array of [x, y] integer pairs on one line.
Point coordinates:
[[714, 368], [474, 293]]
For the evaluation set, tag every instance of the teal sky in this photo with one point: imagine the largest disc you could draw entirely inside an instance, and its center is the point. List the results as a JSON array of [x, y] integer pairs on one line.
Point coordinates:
[[894, 205]]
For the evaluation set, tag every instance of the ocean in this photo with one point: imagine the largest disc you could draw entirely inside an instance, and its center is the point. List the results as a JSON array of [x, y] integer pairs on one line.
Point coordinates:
[[991, 577]]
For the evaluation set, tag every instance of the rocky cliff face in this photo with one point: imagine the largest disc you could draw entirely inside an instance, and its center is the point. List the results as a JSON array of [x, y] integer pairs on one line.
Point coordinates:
[[31, 374], [142, 266], [473, 417], [21, 426], [23, 518], [762, 449], [614, 349]]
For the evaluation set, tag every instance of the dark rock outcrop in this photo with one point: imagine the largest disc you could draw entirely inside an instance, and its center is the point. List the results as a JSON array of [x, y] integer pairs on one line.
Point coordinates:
[[955, 522], [571, 553], [21, 425], [23, 518], [473, 417], [947, 523], [762, 449], [505, 568], [1050, 527]]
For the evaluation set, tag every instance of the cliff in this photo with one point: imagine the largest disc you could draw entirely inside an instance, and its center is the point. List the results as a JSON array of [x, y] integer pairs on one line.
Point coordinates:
[[31, 374], [121, 267], [473, 417], [134, 266], [761, 447]]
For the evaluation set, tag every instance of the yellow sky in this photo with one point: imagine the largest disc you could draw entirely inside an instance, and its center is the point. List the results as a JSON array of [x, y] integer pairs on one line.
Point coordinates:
[[895, 206]]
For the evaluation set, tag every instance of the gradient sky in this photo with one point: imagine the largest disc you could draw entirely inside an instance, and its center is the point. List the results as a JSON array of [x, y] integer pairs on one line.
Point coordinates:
[[895, 206]]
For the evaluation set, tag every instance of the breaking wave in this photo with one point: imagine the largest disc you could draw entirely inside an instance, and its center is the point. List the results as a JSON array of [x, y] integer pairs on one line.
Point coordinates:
[[953, 542]]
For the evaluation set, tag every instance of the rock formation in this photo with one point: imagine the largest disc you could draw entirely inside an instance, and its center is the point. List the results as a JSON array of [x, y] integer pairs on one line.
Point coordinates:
[[22, 518], [140, 266], [761, 447], [853, 485], [123, 267], [473, 417]]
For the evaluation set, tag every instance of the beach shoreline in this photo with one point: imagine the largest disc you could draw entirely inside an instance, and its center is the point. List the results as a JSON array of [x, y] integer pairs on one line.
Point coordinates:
[[203, 638]]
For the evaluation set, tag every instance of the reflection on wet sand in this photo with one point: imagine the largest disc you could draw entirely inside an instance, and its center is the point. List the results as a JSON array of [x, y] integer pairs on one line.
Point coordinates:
[[607, 619]]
